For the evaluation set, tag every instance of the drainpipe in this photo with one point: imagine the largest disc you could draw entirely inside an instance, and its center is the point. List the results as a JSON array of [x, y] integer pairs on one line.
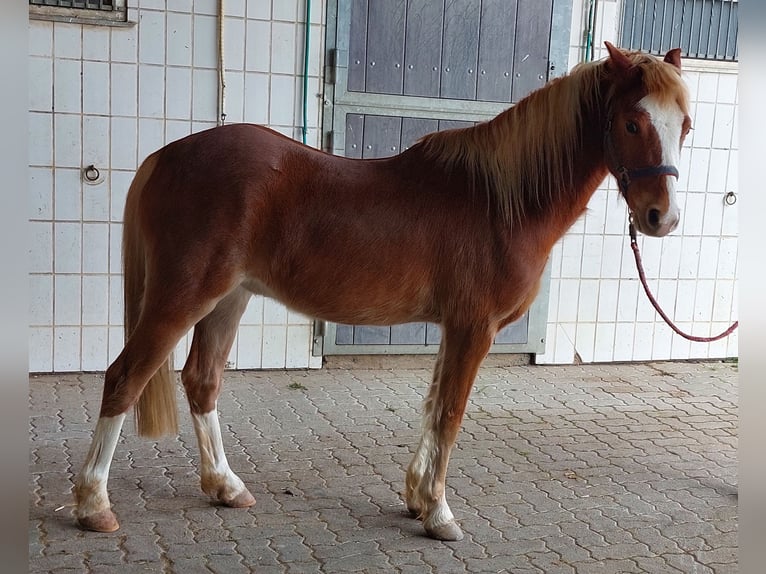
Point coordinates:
[[306, 44], [221, 68], [590, 30]]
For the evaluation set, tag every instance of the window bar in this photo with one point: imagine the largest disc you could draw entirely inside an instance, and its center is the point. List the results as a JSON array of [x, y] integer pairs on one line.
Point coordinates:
[[643, 45], [681, 26], [651, 29], [663, 48], [672, 23], [632, 22], [718, 37], [691, 29], [709, 26], [107, 5], [728, 31], [710, 52]]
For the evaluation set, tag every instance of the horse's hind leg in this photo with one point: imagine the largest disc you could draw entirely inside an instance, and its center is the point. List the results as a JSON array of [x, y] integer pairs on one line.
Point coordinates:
[[460, 355], [145, 351], [213, 337]]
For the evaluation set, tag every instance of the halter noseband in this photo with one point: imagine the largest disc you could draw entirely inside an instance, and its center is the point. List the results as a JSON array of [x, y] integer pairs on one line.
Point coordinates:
[[626, 175]]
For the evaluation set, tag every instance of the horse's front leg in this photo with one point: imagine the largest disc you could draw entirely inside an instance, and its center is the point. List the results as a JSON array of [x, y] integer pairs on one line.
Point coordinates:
[[201, 376], [424, 451], [460, 354]]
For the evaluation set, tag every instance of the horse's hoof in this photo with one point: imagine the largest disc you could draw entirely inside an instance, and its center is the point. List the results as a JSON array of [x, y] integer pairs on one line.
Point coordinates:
[[243, 500], [449, 532], [104, 521]]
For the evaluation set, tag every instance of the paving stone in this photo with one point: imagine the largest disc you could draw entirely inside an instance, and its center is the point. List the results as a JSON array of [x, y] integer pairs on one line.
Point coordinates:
[[575, 470]]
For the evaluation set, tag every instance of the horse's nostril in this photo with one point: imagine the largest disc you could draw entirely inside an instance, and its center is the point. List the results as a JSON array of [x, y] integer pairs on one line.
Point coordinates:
[[653, 218]]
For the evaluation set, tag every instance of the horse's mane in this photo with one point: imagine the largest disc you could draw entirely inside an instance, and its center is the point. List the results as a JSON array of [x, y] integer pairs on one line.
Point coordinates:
[[525, 157]]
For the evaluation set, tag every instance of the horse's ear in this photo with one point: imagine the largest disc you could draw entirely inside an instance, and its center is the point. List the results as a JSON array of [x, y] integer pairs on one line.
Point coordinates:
[[618, 58], [674, 57]]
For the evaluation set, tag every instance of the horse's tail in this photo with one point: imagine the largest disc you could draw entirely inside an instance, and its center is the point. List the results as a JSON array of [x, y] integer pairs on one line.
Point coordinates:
[[156, 411]]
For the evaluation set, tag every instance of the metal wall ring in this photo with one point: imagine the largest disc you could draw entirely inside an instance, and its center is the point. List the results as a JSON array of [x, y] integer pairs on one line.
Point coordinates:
[[730, 198], [91, 173]]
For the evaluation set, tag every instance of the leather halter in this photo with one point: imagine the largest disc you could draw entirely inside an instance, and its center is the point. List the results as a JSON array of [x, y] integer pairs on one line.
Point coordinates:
[[626, 175]]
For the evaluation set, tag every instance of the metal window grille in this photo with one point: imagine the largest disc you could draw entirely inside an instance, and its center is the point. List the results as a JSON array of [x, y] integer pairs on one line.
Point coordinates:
[[107, 5], [703, 29]]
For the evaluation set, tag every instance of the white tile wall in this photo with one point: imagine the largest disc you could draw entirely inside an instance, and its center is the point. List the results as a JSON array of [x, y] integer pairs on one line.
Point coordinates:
[[179, 39], [258, 48], [67, 248], [234, 52], [151, 37], [204, 99], [40, 348], [68, 205], [692, 272], [95, 95], [40, 258], [124, 89], [40, 84], [40, 38], [110, 96], [178, 94], [68, 142], [95, 141], [67, 90], [95, 43], [259, 9], [41, 193], [41, 300], [151, 83]]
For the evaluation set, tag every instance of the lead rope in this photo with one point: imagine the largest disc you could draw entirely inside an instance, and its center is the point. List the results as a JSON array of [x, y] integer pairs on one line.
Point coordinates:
[[653, 301]]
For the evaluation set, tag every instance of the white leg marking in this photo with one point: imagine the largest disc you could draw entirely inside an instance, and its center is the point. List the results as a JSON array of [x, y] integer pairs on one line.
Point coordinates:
[[418, 469], [441, 514], [91, 482], [424, 494], [218, 480], [422, 462]]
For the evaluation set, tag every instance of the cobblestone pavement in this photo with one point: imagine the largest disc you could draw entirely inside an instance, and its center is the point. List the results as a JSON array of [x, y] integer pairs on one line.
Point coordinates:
[[586, 469]]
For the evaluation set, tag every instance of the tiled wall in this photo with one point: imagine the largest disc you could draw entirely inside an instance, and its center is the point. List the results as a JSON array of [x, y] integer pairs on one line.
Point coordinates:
[[598, 311], [109, 96]]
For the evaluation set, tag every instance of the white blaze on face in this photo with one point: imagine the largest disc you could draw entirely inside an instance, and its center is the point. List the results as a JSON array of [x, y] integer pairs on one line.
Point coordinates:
[[667, 120]]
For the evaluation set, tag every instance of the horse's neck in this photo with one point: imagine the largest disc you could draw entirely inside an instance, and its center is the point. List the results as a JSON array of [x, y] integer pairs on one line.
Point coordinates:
[[538, 162], [588, 166]]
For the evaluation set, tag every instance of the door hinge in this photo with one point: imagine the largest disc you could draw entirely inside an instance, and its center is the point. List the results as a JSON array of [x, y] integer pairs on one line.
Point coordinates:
[[317, 346]]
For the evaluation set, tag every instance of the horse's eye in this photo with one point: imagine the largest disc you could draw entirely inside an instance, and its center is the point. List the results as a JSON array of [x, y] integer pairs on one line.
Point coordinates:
[[631, 127]]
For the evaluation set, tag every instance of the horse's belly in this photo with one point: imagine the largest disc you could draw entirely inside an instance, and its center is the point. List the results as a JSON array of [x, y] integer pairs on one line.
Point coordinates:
[[364, 296]]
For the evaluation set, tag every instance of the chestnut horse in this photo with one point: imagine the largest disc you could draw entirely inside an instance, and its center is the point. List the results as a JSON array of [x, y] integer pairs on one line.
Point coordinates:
[[455, 230]]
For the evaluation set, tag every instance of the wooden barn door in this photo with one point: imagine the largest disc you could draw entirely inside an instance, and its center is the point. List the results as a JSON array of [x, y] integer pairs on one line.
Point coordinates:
[[399, 69]]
